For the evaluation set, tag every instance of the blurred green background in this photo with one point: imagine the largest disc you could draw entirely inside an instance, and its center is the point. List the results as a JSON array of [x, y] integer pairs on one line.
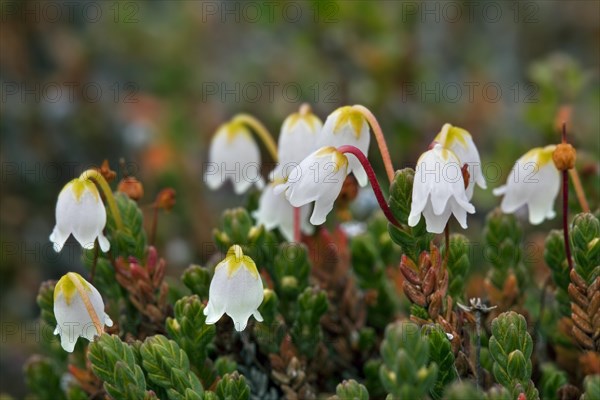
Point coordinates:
[[150, 82]]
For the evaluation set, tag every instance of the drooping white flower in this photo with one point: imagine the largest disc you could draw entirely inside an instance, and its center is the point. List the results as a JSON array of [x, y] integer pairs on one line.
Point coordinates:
[[275, 211], [460, 142], [439, 191], [79, 311], [533, 181], [233, 155], [236, 290], [298, 137], [80, 211], [318, 178], [347, 126]]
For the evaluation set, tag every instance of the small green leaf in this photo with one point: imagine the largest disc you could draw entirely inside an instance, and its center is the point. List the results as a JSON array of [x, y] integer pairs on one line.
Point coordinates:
[[233, 387], [351, 390]]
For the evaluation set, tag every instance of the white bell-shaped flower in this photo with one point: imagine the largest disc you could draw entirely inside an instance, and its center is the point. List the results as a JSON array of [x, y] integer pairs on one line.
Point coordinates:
[[79, 311], [347, 126], [319, 178], [460, 142], [233, 155], [439, 191], [80, 211], [236, 289], [275, 211], [533, 181], [298, 137]]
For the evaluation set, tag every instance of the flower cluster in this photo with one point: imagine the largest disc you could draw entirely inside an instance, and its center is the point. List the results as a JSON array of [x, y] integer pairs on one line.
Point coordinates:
[[78, 306], [314, 160]]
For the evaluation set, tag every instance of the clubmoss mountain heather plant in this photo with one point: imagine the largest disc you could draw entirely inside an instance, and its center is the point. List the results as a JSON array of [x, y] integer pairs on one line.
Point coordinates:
[[402, 308]]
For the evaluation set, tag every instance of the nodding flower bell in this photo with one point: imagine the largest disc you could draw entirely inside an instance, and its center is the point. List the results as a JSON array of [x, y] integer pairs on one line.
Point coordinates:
[[80, 211], [319, 178], [79, 311], [298, 136], [439, 190], [234, 155], [274, 211], [236, 289], [460, 142], [347, 126], [533, 181]]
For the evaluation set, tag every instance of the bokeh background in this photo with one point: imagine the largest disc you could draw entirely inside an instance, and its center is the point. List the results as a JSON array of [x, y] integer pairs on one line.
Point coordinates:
[[149, 82]]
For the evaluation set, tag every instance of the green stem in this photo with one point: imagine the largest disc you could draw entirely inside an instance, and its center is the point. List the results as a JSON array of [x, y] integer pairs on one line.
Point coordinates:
[[99, 180]]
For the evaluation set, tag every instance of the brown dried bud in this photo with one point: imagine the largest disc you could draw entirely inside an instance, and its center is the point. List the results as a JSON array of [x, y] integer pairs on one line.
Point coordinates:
[[465, 174], [106, 172], [564, 156], [166, 199], [131, 187]]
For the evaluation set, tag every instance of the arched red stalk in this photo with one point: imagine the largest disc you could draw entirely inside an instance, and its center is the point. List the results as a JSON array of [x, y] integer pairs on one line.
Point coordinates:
[[373, 179], [297, 234]]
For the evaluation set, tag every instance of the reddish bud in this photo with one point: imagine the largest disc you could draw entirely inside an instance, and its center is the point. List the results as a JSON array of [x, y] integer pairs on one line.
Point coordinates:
[[106, 172], [166, 199], [131, 187], [564, 156]]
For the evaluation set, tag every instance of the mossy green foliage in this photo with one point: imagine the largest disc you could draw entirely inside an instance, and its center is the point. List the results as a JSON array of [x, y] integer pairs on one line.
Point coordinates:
[[412, 240], [458, 266], [585, 236], [503, 238], [511, 347], [351, 389], [556, 259], [591, 385], [406, 372], [440, 352], [233, 387], [114, 362], [369, 266], [189, 329], [552, 379], [168, 367], [43, 379], [197, 279], [306, 330]]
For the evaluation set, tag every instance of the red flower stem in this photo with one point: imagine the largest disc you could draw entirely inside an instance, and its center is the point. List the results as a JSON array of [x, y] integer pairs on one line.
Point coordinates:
[[447, 244], [297, 234], [565, 210], [373, 179]]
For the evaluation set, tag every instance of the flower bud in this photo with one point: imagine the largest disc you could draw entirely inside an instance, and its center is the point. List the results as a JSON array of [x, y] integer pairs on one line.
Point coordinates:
[[564, 156], [131, 187], [166, 199], [106, 172]]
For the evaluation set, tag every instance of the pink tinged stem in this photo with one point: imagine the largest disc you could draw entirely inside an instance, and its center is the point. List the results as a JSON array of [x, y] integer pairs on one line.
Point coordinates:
[[373, 179], [378, 132], [83, 293], [297, 234]]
